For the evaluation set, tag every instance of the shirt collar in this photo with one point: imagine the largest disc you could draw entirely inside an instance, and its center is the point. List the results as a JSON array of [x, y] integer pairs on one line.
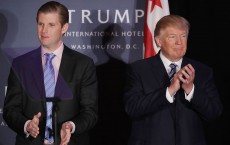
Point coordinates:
[[57, 52], [167, 62]]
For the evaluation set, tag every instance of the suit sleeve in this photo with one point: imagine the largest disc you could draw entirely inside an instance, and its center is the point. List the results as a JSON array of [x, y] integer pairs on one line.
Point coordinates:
[[89, 100], [143, 94], [12, 111], [206, 99]]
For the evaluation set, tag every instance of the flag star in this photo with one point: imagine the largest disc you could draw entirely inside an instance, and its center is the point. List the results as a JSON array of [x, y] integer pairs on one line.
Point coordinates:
[[156, 2]]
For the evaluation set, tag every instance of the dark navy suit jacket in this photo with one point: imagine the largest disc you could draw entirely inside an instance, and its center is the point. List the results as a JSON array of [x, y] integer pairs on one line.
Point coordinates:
[[76, 90], [155, 121]]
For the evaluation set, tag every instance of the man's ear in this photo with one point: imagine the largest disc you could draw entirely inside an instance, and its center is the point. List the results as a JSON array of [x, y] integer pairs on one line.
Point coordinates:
[[65, 27], [158, 41]]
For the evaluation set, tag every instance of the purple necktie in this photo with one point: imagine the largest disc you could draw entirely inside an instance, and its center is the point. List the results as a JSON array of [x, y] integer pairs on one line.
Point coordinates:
[[49, 82]]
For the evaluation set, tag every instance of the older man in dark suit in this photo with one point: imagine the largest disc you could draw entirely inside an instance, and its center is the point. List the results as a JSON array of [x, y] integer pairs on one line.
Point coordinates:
[[169, 96]]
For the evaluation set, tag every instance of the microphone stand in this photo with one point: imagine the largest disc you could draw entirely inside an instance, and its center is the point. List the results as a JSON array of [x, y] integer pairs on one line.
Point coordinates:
[[55, 108]]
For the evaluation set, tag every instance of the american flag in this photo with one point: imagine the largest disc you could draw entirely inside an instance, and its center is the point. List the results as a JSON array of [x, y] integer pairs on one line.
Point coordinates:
[[155, 9]]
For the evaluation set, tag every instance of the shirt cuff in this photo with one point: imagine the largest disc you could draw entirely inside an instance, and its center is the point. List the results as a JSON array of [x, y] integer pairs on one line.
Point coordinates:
[[190, 95], [169, 97]]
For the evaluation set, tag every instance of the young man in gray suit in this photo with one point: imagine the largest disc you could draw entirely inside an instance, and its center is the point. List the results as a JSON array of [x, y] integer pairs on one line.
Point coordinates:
[[74, 99]]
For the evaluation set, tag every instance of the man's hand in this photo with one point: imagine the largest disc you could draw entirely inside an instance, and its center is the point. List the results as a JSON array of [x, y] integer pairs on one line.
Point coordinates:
[[186, 76], [175, 84], [66, 133], [183, 79], [32, 127]]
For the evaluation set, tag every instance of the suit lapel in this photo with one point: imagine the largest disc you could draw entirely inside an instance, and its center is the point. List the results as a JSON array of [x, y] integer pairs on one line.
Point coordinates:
[[184, 62], [159, 70], [36, 71], [62, 89]]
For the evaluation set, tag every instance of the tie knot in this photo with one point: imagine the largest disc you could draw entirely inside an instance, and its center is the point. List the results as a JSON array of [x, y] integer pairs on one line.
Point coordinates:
[[172, 71], [173, 65], [49, 57]]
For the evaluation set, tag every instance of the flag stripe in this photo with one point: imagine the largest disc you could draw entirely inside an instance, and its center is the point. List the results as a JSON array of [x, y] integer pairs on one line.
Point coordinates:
[[148, 43], [155, 9]]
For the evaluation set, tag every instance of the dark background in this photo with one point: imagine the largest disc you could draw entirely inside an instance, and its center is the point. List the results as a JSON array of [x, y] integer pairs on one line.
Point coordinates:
[[208, 43]]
